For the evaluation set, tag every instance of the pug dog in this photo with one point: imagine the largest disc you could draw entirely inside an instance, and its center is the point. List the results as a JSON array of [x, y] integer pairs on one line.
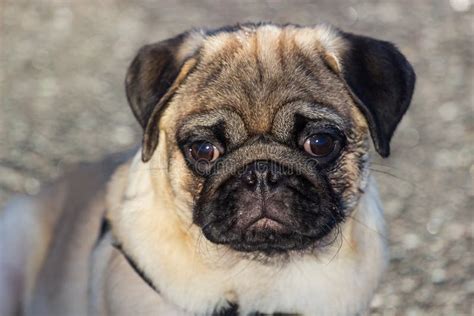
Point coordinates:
[[251, 193]]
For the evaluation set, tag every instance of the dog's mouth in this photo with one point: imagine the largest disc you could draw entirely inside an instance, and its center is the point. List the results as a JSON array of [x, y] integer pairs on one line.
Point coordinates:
[[266, 235], [266, 223], [270, 237], [263, 233]]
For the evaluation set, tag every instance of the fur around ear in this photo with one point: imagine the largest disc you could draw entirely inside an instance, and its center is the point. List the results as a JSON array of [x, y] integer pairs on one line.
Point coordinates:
[[150, 77], [382, 83]]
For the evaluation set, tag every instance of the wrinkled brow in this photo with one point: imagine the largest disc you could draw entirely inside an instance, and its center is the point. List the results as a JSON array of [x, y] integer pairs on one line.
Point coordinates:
[[218, 121], [284, 119]]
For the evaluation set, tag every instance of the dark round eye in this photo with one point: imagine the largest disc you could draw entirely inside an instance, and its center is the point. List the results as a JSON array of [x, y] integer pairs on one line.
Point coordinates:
[[320, 145], [204, 152]]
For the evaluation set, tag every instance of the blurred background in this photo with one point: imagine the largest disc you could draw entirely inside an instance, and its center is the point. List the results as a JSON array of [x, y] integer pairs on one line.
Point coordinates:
[[62, 67]]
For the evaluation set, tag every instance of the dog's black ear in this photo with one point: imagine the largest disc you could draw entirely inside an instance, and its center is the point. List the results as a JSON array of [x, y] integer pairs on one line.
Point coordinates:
[[382, 82], [149, 84]]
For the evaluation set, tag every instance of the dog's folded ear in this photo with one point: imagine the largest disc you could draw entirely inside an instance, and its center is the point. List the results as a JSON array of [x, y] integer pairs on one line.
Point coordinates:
[[382, 83], [153, 77]]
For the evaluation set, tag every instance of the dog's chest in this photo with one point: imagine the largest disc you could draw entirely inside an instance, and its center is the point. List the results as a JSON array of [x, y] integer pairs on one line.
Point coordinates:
[[303, 287]]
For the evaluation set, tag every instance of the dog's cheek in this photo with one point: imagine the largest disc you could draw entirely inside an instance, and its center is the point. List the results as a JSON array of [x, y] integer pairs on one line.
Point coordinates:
[[185, 182], [172, 181], [348, 177], [186, 185]]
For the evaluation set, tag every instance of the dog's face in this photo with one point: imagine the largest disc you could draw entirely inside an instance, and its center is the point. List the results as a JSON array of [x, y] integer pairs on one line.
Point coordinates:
[[267, 127], [277, 153]]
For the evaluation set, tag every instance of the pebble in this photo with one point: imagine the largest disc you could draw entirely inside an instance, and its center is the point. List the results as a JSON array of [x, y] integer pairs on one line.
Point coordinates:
[[438, 276]]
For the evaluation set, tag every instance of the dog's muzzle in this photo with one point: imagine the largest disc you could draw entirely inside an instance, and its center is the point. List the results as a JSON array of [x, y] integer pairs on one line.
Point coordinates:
[[269, 208]]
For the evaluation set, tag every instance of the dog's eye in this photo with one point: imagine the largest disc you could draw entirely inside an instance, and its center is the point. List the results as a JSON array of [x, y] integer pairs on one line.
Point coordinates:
[[204, 152], [320, 145]]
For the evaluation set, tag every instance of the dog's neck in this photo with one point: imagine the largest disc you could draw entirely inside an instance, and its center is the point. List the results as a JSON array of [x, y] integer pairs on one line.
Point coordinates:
[[201, 277]]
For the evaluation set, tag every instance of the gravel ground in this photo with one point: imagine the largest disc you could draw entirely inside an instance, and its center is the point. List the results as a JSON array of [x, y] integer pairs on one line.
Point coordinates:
[[62, 66]]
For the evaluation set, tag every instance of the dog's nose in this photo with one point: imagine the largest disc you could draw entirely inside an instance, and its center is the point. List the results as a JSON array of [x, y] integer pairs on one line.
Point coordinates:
[[262, 174]]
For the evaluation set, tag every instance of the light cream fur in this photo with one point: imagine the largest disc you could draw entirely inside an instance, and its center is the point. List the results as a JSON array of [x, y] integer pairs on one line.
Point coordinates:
[[197, 275]]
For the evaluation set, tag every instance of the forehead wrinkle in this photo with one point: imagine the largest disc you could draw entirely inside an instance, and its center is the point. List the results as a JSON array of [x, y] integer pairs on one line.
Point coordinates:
[[317, 82], [235, 130], [284, 118], [255, 76], [267, 53], [240, 79], [216, 57], [227, 67], [271, 88], [325, 112]]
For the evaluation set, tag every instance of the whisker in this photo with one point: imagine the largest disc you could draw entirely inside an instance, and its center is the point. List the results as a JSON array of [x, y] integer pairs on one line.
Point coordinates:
[[393, 175], [368, 227], [233, 275], [338, 231]]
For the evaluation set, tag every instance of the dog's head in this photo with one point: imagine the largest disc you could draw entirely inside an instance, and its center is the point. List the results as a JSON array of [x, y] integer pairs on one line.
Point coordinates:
[[267, 126]]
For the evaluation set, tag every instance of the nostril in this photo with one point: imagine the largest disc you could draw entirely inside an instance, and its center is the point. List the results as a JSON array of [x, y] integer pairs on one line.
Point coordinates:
[[262, 173], [273, 177], [250, 178]]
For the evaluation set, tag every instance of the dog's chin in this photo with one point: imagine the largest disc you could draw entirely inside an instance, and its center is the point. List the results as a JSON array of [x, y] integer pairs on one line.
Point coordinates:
[[272, 244]]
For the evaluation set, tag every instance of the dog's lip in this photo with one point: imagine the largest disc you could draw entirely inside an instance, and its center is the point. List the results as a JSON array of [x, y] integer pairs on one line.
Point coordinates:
[[264, 223]]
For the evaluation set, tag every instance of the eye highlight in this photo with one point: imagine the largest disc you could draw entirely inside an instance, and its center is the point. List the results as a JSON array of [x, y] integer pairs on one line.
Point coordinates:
[[202, 151], [320, 145]]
